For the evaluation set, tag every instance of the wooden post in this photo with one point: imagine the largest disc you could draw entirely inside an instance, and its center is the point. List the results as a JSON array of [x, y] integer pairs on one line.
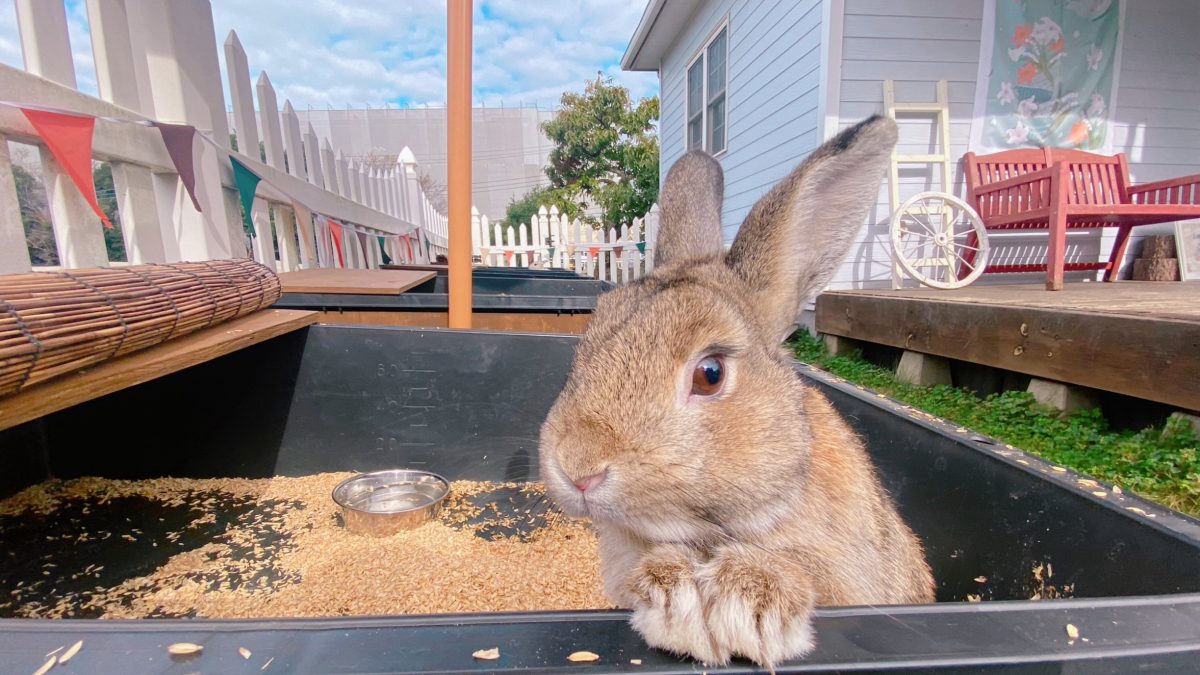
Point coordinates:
[[458, 151], [246, 126], [184, 87]]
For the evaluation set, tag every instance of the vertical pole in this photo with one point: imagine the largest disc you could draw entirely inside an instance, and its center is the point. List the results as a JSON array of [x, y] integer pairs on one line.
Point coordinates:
[[458, 153]]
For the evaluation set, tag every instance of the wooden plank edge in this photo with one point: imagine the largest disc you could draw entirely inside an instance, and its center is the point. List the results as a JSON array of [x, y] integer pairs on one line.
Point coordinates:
[[836, 316], [133, 369]]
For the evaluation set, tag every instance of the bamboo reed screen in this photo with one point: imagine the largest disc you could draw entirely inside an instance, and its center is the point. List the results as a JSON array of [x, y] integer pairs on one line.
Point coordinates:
[[52, 323]]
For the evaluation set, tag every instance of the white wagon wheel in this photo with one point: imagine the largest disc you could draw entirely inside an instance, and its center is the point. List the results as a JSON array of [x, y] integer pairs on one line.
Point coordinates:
[[935, 236]]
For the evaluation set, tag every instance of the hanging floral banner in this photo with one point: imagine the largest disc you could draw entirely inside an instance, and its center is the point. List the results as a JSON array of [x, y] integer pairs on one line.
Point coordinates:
[[1047, 74], [69, 138]]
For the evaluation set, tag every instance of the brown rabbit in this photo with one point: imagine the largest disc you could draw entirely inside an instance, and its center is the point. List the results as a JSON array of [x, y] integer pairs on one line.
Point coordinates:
[[729, 497]]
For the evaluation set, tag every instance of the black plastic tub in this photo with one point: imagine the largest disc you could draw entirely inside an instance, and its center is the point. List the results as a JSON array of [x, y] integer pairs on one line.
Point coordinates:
[[326, 398], [500, 301]]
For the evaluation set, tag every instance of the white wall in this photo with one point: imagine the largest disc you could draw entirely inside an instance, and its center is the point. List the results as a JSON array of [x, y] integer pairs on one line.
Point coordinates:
[[509, 150], [917, 42], [773, 78]]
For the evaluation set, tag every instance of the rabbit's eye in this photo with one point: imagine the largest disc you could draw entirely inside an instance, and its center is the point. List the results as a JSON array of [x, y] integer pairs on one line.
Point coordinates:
[[708, 376]]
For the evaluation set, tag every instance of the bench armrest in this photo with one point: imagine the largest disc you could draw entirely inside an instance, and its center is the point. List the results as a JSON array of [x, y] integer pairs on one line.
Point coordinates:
[[1184, 190]]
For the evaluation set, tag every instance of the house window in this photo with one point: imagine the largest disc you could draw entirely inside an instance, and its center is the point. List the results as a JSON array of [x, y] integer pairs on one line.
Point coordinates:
[[706, 84]]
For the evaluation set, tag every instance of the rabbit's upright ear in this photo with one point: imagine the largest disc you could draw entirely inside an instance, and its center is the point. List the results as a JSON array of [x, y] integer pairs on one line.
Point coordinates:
[[797, 235], [690, 225]]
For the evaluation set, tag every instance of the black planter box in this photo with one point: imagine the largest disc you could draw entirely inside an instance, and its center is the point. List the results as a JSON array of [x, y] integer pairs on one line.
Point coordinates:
[[324, 399]]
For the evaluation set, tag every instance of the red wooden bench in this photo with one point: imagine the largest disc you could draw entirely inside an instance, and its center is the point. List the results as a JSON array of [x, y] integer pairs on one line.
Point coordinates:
[[1059, 190]]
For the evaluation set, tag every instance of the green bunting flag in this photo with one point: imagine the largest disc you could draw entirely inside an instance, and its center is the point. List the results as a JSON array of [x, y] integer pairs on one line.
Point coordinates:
[[247, 182], [552, 252], [387, 259], [641, 247]]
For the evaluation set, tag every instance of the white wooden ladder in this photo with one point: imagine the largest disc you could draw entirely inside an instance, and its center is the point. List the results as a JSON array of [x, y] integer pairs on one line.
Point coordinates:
[[940, 109]]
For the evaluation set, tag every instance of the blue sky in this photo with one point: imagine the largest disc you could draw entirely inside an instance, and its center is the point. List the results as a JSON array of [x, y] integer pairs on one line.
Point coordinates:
[[355, 53]]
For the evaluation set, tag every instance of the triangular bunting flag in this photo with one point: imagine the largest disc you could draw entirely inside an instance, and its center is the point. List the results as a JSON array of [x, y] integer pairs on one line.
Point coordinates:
[[247, 182], [551, 251], [69, 138], [617, 250], [362, 242], [641, 247], [508, 255], [383, 254], [570, 249], [484, 252], [179, 139], [335, 229], [408, 245], [594, 251]]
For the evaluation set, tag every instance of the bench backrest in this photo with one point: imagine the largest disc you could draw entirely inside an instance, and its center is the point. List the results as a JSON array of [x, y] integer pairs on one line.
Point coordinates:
[[1093, 179]]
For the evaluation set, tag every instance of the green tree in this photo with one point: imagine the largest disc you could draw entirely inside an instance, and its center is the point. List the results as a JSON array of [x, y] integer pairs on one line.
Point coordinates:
[[106, 194], [522, 209], [606, 152], [35, 216]]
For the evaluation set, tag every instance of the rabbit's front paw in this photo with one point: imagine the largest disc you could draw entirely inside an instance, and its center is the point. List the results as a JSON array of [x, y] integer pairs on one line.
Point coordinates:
[[668, 611], [756, 606]]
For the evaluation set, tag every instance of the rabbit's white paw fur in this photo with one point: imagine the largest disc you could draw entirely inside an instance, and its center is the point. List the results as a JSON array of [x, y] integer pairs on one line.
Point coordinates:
[[731, 605], [754, 611]]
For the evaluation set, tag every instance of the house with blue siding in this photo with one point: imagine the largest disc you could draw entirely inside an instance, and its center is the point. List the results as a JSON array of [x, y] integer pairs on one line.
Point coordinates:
[[761, 83]]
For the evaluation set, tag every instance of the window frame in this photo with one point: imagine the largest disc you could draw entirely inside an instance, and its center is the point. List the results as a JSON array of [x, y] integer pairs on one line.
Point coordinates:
[[701, 56]]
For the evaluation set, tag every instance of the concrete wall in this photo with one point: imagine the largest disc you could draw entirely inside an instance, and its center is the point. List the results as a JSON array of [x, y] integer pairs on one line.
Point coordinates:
[[509, 149]]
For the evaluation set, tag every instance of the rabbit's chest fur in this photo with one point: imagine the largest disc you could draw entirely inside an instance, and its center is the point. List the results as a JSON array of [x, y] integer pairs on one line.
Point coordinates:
[[842, 532]]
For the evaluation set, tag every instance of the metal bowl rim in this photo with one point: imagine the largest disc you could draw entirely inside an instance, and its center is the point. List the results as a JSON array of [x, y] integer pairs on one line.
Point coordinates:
[[359, 476]]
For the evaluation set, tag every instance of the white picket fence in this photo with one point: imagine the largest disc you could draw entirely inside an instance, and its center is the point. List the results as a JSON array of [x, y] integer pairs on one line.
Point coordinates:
[[157, 60], [550, 239]]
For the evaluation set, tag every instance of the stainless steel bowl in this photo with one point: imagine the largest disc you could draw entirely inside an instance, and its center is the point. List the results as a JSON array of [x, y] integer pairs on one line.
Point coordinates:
[[381, 503]]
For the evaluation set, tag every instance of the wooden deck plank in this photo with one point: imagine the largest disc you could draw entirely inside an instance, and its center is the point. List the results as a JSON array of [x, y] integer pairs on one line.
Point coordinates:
[[63, 392], [1139, 339], [365, 282], [1159, 299]]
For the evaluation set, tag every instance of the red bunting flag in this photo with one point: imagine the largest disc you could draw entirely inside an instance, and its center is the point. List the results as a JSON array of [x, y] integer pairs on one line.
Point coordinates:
[[594, 251], [484, 252], [617, 250], [335, 229], [69, 138], [508, 255]]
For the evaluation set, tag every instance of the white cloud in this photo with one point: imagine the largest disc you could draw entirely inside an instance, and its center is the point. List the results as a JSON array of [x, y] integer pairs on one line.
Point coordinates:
[[392, 52]]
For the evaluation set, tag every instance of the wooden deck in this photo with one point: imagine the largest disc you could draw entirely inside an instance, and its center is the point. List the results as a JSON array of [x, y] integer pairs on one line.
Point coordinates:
[[1136, 338]]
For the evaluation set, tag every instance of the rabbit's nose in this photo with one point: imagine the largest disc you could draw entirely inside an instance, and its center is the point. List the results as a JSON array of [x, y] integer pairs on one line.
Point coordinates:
[[588, 482]]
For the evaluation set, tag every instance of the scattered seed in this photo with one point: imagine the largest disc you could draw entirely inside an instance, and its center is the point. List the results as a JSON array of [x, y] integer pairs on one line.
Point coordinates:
[[70, 653], [267, 664], [981, 579], [487, 654], [1100, 493], [49, 654], [636, 662], [46, 666], [971, 597], [184, 648], [1072, 632], [1117, 489], [1058, 469], [583, 657], [244, 652]]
